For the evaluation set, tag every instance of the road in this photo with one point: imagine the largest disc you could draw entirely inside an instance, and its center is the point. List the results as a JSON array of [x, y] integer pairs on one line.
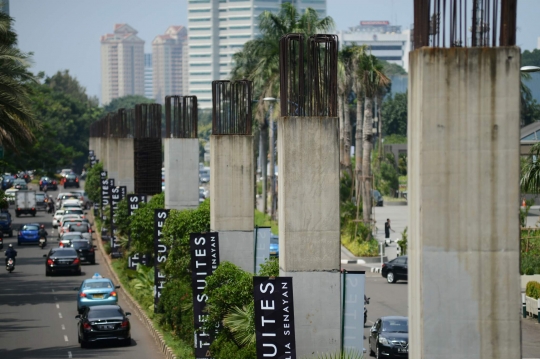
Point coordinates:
[[37, 313]]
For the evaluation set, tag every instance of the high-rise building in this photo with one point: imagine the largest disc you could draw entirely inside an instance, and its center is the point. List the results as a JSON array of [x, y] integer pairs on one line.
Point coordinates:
[[4, 6], [122, 64], [148, 77], [218, 29], [385, 41], [170, 63]]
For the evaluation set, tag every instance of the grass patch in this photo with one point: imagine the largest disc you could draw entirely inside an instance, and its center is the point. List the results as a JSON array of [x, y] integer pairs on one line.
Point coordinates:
[[264, 220], [180, 348], [393, 199], [360, 248]]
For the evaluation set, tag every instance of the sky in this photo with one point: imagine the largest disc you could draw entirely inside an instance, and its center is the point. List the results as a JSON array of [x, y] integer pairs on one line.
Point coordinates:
[[65, 34]]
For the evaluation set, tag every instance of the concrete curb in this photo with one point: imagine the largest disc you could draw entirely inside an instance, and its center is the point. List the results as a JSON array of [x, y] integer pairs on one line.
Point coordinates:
[[139, 312], [353, 261], [375, 270]]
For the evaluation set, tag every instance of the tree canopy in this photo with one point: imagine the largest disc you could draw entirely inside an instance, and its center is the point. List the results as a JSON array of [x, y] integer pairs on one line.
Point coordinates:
[[394, 113], [127, 102], [530, 58]]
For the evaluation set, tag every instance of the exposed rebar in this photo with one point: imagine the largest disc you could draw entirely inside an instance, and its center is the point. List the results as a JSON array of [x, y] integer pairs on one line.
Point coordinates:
[[231, 107], [181, 117]]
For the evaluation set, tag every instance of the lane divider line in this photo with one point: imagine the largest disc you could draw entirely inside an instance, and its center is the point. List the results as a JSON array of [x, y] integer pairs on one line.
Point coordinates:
[[57, 306], [63, 327], [60, 315], [65, 338]]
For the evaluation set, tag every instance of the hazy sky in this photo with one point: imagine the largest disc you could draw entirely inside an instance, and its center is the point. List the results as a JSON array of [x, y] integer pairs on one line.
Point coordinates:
[[65, 34]]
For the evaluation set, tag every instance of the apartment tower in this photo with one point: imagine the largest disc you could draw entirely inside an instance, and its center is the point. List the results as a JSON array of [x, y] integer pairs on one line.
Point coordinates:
[[122, 64], [148, 77], [169, 57], [218, 29]]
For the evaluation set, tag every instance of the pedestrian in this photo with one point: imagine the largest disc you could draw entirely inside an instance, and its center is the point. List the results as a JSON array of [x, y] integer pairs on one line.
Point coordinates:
[[387, 229]]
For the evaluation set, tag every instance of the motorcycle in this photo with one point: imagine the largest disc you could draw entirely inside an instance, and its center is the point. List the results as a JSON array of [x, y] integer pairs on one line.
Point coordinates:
[[42, 242], [1, 242], [10, 265], [366, 301]]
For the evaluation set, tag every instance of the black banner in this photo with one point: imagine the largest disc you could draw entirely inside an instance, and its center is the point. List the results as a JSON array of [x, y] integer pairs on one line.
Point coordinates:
[[104, 193], [274, 317], [117, 194], [90, 153], [204, 249], [133, 204], [160, 254]]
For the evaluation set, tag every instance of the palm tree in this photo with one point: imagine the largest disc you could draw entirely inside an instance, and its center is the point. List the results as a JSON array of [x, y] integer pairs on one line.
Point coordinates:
[[345, 84], [358, 59], [16, 117], [373, 79], [530, 171]]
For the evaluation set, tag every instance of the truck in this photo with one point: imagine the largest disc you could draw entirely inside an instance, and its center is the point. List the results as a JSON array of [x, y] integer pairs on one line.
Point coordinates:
[[25, 203]]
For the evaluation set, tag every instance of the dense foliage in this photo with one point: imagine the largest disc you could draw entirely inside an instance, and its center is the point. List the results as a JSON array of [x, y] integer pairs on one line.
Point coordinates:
[[533, 289], [530, 251], [92, 185], [394, 113], [530, 58], [128, 101], [142, 224]]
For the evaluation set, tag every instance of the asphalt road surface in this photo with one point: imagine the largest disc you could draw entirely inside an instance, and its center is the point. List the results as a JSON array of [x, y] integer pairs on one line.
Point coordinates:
[[37, 313]]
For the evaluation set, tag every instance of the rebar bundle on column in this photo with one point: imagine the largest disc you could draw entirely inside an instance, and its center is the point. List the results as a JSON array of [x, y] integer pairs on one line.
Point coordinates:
[[308, 85], [464, 23], [181, 117], [231, 107], [147, 144]]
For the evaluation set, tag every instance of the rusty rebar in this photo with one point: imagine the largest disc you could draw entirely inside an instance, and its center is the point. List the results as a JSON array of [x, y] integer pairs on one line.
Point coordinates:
[[147, 148], [181, 117], [231, 107], [148, 120]]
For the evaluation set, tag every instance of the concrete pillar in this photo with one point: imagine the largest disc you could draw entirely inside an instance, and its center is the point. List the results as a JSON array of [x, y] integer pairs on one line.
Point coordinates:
[[463, 154], [97, 148], [309, 228], [126, 164], [181, 173], [112, 157], [232, 198], [103, 152]]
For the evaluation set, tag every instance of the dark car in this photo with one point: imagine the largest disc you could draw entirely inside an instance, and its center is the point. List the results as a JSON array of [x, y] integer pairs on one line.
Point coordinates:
[[51, 183], [7, 182], [5, 223], [104, 322], [389, 338], [85, 249], [71, 180], [62, 260], [395, 270]]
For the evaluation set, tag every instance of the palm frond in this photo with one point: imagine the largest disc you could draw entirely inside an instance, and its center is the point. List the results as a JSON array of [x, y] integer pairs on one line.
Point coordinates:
[[241, 323]]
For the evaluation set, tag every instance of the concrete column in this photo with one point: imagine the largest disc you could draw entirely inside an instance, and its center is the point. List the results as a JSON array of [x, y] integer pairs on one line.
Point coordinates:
[[309, 228], [181, 173], [112, 157], [126, 164], [232, 194], [463, 145], [103, 152], [97, 148]]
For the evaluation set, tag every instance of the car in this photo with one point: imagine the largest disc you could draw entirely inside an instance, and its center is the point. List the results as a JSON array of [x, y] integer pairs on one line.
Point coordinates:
[[56, 217], [65, 172], [28, 233], [395, 270], [20, 184], [5, 223], [65, 196], [71, 180], [204, 175], [66, 239], [51, 183], [389, 337], [377, 198], [274, 246], [65, 225], [86, 201], [7, 181], [62, 260], [11, 195], [24, 175], [74, 210], [201, 198], [71, 203], [41, 201], [96, 291], [86, 250], [103, 322], [80, 227]]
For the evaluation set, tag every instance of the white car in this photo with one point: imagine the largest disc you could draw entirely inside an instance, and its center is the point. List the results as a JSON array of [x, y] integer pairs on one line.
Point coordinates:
[[65, 196], [56, 217], [86, 202], [11, 194], [71, 204]]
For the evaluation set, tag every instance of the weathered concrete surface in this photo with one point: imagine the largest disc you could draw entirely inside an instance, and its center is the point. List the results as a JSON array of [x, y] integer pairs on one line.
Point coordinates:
[[464, 284], [237, 247], [126, 164], [309, 228], [112, 158], [181, 173], [231, 183], [103, 142]]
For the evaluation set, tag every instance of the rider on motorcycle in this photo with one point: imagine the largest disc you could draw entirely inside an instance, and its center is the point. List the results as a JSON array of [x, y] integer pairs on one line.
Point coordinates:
[[11, 253], [42, 232]]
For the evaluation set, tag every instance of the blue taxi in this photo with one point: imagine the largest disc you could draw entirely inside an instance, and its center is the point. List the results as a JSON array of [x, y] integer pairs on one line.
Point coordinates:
[[96, 291]]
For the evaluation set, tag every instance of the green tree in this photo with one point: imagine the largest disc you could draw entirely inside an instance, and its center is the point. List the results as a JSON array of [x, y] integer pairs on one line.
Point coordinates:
[[530, 58], [127, 102], [391, 69], [17, 119], [142, 225], [62, 81], [394, 110], [92, 185], [530, 171]]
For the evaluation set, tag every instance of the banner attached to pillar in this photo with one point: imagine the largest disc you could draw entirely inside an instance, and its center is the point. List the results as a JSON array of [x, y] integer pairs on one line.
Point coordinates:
[[204, 249], [274, 317], [104, 193], [352, 299], [90, 153], [117, 194], [134, 200], [160, 254], [262, 246]]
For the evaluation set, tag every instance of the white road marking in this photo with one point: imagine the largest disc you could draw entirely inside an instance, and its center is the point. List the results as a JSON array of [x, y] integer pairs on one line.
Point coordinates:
[[60, 315], [57, 306], [65, 338], [69, 355], [63, 327]]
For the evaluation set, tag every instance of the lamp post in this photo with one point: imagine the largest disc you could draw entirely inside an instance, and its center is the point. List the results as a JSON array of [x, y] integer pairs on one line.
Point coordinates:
[[272, 159]]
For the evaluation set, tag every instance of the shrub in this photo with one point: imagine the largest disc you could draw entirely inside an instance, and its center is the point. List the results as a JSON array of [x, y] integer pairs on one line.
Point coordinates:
[[403, 242], [92, 185], [142, 224], [529, 271], [176, 306], [533, 289]]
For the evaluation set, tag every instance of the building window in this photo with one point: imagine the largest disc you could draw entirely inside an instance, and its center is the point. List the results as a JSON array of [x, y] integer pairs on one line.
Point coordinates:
[[240, 18], [200, 82], [198, 65], [200, 73], [236, 46], [201, 91], [313, 1], [241, 0], [222, 37], [199, 10], [200, 19], [200, 37], [240, 27], [199, 1], [240, 9], [385, 47], [222, 46], [199, 46], [199, 55], [239, 36], [390, 58], [199, 29]]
